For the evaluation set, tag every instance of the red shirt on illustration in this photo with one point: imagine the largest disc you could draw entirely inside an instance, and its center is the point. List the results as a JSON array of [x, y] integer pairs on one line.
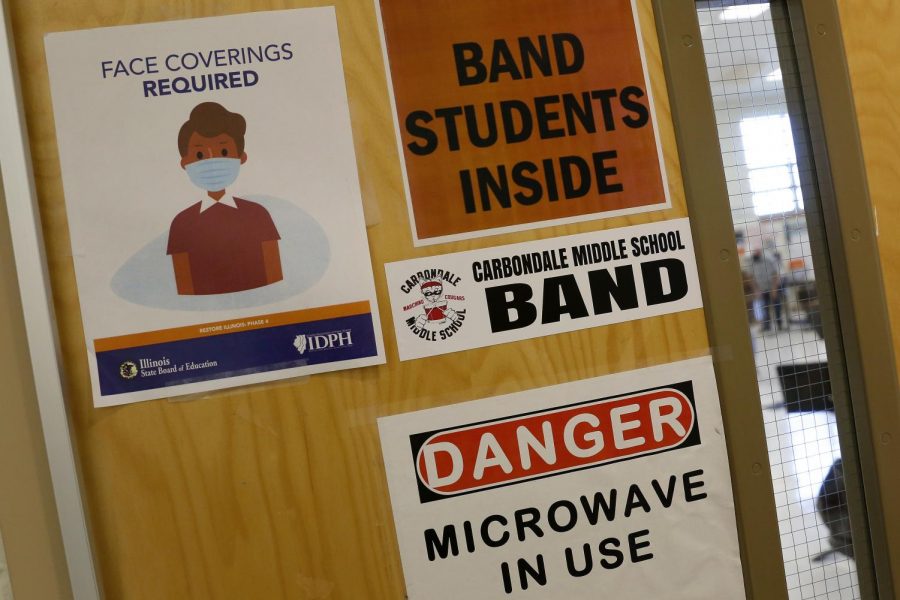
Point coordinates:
[[223, 241]]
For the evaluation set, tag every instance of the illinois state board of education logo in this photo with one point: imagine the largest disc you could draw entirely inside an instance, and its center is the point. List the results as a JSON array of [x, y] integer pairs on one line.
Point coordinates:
[[433, 310], [128, 370]]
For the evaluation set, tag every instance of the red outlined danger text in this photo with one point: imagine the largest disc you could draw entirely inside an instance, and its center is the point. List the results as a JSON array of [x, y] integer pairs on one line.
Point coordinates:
[[511, 450]]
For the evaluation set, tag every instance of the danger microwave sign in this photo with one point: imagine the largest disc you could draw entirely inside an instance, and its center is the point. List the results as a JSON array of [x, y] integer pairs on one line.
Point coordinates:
[[562, 492]]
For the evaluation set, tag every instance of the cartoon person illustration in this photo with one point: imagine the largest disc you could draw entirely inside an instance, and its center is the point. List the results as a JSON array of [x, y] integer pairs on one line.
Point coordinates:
[[222, 243], [436, 309]]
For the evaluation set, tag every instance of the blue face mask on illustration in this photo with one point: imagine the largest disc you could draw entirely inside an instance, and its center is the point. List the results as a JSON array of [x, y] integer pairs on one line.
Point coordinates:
[[214, 174]]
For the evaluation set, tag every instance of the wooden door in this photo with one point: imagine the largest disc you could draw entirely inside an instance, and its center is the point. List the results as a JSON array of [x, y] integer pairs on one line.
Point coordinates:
[[278, 491]]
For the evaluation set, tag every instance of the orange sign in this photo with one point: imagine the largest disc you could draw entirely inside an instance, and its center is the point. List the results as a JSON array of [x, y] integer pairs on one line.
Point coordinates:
[[514, 114]]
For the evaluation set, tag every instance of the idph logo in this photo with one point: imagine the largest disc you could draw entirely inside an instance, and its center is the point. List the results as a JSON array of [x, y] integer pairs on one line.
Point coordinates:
[[323, 341], [518, 448]]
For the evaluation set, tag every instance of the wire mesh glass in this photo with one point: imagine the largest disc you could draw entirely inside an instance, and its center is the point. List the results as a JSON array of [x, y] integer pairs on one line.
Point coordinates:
[[768, 175]]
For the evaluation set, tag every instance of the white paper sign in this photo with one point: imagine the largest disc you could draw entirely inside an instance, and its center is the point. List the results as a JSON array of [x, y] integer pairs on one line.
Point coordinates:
[[213, 203], [614, 487], [478, 298]]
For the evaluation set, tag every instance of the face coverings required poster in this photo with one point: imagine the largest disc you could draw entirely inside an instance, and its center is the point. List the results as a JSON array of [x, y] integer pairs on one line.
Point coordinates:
[[213, 203], [612, 487]]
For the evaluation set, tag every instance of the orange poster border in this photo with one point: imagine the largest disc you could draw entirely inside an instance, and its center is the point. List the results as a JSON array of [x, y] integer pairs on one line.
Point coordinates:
[[200, 330]]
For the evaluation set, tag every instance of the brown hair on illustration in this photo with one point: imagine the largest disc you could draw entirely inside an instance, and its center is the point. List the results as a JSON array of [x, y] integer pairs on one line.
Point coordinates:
[[210, 119]]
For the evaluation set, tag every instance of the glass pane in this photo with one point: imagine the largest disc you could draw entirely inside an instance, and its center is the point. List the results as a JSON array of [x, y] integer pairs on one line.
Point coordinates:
[[761, 140]]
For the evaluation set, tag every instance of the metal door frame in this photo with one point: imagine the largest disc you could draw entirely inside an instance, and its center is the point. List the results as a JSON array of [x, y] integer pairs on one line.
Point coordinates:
[[862, 309], [40, 322]]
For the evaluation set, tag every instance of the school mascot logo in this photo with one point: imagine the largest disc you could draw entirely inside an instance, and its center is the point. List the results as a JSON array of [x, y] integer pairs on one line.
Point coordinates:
[[437, 314]]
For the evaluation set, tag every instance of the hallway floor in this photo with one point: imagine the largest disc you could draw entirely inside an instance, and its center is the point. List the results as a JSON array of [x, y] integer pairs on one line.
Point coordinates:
[[802, 448]]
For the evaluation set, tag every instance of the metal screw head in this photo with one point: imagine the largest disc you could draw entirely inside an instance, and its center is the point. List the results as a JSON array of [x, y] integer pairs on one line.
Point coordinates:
[[687, 41], [886, 438], [724, 254], [820, 29], [855, 235], [756, 468]]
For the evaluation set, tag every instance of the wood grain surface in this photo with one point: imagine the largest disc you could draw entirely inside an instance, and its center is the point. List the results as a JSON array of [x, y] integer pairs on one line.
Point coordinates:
[[873, 53], [278, 491]]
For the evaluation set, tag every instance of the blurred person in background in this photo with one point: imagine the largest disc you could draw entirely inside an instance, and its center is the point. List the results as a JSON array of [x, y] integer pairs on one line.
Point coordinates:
[[767, 281]]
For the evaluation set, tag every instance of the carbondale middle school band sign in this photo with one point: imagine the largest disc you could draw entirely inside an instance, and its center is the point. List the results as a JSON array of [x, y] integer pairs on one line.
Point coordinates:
[[512, 114], [466, 300], [213, 203]]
